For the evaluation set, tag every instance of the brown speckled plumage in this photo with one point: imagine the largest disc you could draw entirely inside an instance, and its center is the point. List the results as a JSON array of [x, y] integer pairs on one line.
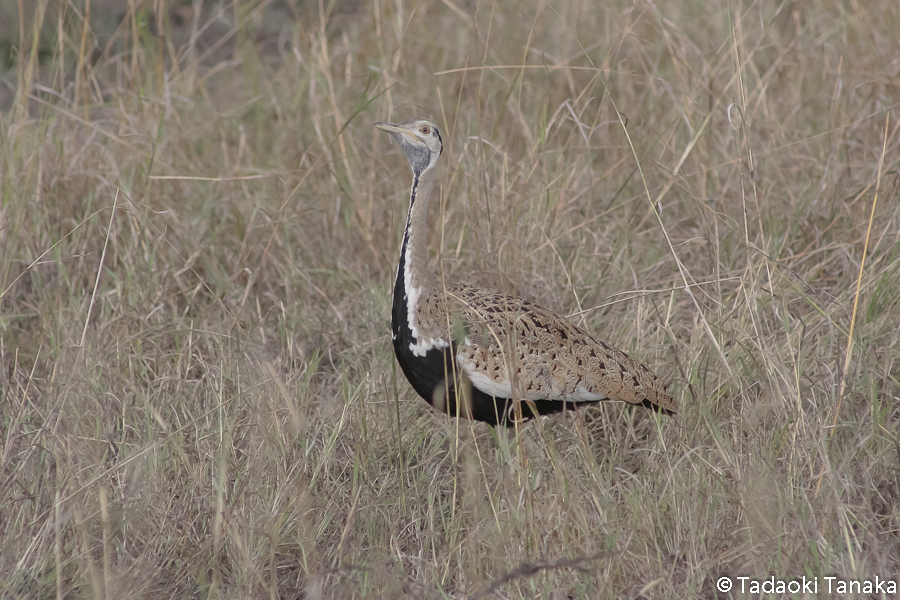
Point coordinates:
[[495, 350], [541, 354]]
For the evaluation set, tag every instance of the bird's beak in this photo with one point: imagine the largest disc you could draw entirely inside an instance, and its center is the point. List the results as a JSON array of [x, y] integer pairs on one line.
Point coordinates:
[[395, 130]]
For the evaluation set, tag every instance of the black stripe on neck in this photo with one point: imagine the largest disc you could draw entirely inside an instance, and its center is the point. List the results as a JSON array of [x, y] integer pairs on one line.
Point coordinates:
[[399, 305]]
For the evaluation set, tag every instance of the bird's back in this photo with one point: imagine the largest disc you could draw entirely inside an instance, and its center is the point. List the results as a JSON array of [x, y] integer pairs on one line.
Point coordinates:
[[510, 347]]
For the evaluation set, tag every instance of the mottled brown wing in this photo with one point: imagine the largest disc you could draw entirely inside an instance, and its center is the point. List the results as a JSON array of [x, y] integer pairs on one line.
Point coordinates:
[[513, 344]]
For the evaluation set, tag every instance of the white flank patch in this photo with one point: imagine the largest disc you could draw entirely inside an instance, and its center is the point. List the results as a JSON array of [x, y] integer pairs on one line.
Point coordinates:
[[497, 389], [582, 395], [503, 389]]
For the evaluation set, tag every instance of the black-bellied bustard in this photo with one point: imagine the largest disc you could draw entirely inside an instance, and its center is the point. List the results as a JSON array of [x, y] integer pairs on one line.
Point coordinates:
[[488, 356]]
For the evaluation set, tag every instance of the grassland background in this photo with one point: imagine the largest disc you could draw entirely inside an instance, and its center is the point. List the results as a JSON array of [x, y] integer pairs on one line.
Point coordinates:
[[198, 233]]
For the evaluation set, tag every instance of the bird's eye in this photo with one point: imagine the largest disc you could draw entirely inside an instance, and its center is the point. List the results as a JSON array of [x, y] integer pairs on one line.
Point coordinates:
[[424, 129]]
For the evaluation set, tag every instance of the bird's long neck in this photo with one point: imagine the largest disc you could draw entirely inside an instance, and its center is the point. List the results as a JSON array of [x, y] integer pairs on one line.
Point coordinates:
[[413, 275]]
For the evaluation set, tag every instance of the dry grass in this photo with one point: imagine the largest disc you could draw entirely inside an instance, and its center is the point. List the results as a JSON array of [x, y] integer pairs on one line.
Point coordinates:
[[198, 229]]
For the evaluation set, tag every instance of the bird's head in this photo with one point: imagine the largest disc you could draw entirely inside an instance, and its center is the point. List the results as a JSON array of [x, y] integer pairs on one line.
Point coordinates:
[[419, 139]]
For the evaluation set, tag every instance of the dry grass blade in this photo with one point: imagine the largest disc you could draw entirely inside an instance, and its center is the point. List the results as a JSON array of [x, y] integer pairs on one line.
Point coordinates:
[[848, 352], [527, 569], [87, 319]]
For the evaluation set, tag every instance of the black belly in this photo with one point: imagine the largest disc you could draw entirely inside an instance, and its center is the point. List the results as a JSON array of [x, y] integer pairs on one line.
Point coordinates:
[[429, 375], [436, 375]]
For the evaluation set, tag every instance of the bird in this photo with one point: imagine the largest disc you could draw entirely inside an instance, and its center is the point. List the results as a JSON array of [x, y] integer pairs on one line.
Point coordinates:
[[488, 356]]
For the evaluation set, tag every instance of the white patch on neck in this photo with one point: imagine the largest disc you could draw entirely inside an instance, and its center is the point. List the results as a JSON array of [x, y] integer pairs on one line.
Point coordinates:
[[421, 346]]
